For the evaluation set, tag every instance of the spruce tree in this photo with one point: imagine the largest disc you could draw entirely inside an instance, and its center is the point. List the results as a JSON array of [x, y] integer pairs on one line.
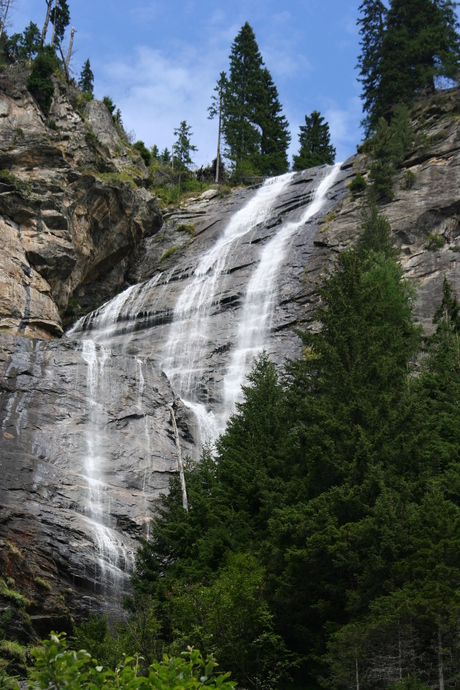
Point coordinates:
[[86, 80], [372, 24], [242, 98], [275, 138], [60, 18], [255, 131], [30, 41], [404, 51], [315, 143]]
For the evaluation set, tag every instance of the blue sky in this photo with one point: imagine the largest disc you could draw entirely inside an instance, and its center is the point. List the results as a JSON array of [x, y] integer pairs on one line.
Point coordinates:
[[159, 60]]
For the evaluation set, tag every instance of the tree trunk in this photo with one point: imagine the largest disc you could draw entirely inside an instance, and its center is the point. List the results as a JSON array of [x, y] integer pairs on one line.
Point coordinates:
[[440, 661], [64, 63], [218, 142], [357, 673], [47, 21], [2, 27], [179, 461], [69, 53], [54, 23]]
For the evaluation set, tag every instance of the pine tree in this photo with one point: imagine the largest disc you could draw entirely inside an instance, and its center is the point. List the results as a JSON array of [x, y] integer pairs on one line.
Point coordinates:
[[242, 98], [275, 138], [86, 80], [372, 28], [419, 43], [182, 148], [315, 143], [60, 18], [30, 41]]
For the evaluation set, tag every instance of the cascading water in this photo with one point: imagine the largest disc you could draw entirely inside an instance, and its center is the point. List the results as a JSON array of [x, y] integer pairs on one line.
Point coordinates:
[[190, 339], [254, 323], [113, 556]]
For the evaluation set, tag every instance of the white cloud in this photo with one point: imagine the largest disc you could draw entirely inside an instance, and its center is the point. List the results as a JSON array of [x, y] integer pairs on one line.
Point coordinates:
[[155, 93]]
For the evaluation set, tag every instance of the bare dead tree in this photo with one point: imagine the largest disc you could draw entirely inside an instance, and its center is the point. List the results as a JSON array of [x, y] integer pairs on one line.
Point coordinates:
[[69, 53], [5, 6], [47, 21]]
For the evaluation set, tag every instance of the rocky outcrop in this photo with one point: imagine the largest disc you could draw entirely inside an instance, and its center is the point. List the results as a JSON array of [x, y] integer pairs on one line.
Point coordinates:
[[72, 207]]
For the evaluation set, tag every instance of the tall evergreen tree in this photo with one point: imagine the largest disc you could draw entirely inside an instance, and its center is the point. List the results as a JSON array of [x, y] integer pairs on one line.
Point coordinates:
[[419, 43], [255, 131], [86, 80], [30, 41], [275, 138], [243, 94], [60, 18], [315, 143], [372, 23]]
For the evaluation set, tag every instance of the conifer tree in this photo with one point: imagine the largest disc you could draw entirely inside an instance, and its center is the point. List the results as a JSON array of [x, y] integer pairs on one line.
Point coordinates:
[[244, 93], [30, 41], [315, 143], [60, 18], [275, 138], [372, 24], [86, 80], [255, 131], [404, 51], [182, 148]]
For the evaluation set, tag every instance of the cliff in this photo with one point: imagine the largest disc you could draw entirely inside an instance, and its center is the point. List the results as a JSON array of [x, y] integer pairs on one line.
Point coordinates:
[[87, 421]]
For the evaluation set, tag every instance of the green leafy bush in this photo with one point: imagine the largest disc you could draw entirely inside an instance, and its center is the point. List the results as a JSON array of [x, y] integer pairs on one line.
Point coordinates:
[[58, 667], [434, 241], [40, 83], [358, 184]]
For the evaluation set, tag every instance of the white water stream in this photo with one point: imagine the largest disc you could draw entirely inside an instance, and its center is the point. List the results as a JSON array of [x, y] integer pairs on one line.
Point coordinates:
[[113, 557]]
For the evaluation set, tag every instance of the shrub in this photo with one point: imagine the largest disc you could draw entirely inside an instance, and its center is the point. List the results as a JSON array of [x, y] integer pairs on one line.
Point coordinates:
[[169, 252], [187, 227], [58, 667], [40, 83], [409, 180], [358, 184], [434, 241], [144, 152]]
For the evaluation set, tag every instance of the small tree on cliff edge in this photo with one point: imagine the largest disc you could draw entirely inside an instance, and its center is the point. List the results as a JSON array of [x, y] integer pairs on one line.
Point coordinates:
[[86, 80], [182, 148], [315, 143]]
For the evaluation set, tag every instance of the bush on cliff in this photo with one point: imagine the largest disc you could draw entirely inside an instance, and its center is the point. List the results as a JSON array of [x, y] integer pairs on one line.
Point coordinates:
[[40, 83]]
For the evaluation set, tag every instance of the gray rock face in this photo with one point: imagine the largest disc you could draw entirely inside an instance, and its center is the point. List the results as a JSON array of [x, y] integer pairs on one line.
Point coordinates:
[[87, 447]]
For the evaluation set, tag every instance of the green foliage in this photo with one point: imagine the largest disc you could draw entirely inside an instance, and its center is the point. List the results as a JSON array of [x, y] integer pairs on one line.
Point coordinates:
[[40, 83], [315, 143], [58, 667], [255, 131], [403, 51], [13, 596], [434, 242], [144, 152], [169, 252], [357, 185], [109, 104], [86, 81], [186, 227], [388, 147], [30, 42], [60, 18], [409, 180]]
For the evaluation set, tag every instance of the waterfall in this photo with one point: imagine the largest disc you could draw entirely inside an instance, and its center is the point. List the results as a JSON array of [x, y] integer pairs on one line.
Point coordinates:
[[113, 557], [190, 340], [259, 303]]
